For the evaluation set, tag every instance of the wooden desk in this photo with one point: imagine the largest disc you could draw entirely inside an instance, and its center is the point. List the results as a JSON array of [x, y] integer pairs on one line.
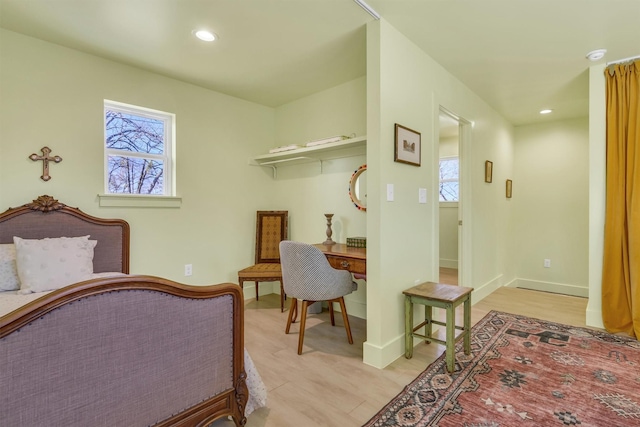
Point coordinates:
[[345, 257]]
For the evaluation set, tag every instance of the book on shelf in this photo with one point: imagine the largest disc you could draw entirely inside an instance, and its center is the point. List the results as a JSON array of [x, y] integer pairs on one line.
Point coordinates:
[[326, 140], [284, 148]]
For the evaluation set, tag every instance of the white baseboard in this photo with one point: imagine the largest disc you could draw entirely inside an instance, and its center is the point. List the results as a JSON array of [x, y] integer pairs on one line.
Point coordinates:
[[557, 288], [354, 308], [265, 288], [594, 315], [482, 291], [380, 357], [594, 319], [449, 263]]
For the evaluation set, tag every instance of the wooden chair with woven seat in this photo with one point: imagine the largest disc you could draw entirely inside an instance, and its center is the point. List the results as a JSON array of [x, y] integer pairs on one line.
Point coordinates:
[[271, 229]]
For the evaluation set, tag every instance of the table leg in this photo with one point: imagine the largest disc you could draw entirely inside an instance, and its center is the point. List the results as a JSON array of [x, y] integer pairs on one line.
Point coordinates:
[[467, 325], [408, 327], [451, 345], [428, 326]]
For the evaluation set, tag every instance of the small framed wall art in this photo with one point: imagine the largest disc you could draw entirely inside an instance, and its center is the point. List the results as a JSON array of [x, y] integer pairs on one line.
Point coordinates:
[[488, 171], [407, 146], [509, 188]]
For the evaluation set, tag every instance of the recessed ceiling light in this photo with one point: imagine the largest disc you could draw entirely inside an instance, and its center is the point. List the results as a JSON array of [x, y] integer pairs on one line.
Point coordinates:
[[546, 111], [596, 55], [205, 35]]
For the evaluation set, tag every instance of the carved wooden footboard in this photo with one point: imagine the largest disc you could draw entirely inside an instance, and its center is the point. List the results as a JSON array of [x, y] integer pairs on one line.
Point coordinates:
[[125, 351]]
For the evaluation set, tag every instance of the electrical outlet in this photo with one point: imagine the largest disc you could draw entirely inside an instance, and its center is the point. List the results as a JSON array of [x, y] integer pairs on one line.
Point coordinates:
[[547, 263], [188, 269]]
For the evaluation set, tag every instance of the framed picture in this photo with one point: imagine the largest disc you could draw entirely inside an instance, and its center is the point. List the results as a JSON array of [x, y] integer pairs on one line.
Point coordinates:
[[488, 171], [407, 148], [509, 188]]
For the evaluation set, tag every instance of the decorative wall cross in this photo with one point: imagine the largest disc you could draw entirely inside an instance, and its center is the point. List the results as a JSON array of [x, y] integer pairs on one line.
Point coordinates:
[[45, 161]]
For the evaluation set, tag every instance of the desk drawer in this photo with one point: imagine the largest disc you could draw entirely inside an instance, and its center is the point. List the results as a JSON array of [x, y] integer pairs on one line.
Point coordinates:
[[353, 265]]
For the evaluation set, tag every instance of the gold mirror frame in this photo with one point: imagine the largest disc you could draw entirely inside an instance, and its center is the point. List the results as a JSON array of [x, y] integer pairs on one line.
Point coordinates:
[[353, 186]]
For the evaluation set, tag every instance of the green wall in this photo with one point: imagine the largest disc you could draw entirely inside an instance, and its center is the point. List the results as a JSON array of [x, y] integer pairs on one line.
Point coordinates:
[[54, 96], [405, 86], [597, 190], [551, 206], [312, 189]]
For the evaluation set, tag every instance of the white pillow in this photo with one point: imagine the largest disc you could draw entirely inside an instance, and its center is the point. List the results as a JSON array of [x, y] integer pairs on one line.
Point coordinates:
[[49, 264], [9, 280]]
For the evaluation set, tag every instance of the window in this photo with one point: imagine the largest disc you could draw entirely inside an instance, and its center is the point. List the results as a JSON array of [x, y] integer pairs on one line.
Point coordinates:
[[138, 150], [449, 179]]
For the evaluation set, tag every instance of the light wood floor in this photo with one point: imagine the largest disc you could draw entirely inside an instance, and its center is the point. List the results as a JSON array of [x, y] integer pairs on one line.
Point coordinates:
[[328, 385], [449, 275]]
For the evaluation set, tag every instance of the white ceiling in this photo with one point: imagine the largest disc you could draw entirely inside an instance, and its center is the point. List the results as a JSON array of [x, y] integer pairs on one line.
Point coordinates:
[[518, 55]]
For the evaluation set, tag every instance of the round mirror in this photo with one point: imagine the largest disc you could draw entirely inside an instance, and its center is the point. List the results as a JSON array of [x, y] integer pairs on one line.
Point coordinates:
[[358, 188]]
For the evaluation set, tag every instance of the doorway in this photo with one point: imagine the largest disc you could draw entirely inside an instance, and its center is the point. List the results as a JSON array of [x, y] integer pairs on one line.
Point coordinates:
[[453, 135], [448, 194]]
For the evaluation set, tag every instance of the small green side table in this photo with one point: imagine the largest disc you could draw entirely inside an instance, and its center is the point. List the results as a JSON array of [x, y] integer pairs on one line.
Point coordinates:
[[444, 296]]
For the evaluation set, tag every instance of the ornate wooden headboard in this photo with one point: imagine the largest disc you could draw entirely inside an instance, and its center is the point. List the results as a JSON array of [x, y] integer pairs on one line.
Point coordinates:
[[47, 217]]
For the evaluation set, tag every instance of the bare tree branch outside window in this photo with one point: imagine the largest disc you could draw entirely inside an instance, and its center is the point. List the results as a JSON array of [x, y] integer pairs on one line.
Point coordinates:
[[449, 179], [138, 167]]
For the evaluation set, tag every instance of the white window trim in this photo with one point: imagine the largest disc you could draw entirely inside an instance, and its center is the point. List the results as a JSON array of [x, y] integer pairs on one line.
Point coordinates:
[[169, 156], [138, 201], [448, 204]]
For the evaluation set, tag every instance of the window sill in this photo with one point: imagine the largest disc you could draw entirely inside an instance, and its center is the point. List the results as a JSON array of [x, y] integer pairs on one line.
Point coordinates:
[[133, 201], [448, 204]]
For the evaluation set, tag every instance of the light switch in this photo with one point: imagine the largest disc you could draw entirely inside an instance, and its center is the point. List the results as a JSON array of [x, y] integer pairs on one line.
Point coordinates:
[[422, 195], [389, 192]]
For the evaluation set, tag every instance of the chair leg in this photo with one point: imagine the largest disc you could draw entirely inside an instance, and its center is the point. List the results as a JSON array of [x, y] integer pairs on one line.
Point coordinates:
[[257, 295], [282, 296], [295, 309], [303, 321], [292, 310], [345, 318], [333, 320]]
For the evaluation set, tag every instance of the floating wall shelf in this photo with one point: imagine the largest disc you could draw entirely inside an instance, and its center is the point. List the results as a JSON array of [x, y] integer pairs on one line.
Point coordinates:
[[333, 150]]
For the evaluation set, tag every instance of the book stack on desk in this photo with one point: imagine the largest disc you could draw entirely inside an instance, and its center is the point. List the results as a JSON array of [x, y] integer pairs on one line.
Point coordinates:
[[357, 242]]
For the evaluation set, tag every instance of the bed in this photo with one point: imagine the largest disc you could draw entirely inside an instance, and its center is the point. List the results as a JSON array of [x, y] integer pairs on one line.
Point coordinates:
[[111, 349]]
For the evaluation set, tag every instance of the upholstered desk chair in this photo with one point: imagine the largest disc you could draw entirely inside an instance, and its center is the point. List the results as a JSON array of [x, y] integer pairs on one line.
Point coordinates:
[[308, 277], [271, 229]]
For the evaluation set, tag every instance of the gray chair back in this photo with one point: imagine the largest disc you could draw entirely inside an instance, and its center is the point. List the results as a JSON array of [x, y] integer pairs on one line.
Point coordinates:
[[308, 276]]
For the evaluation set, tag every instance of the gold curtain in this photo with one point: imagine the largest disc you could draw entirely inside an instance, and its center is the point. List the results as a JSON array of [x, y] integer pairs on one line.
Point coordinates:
[[621, 269]]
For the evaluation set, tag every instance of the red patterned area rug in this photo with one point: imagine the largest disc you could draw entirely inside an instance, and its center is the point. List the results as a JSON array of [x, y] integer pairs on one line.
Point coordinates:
[[525, 372]]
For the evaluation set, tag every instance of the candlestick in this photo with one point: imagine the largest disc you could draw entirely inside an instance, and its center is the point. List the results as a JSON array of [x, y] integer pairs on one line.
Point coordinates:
[[329, 231]]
